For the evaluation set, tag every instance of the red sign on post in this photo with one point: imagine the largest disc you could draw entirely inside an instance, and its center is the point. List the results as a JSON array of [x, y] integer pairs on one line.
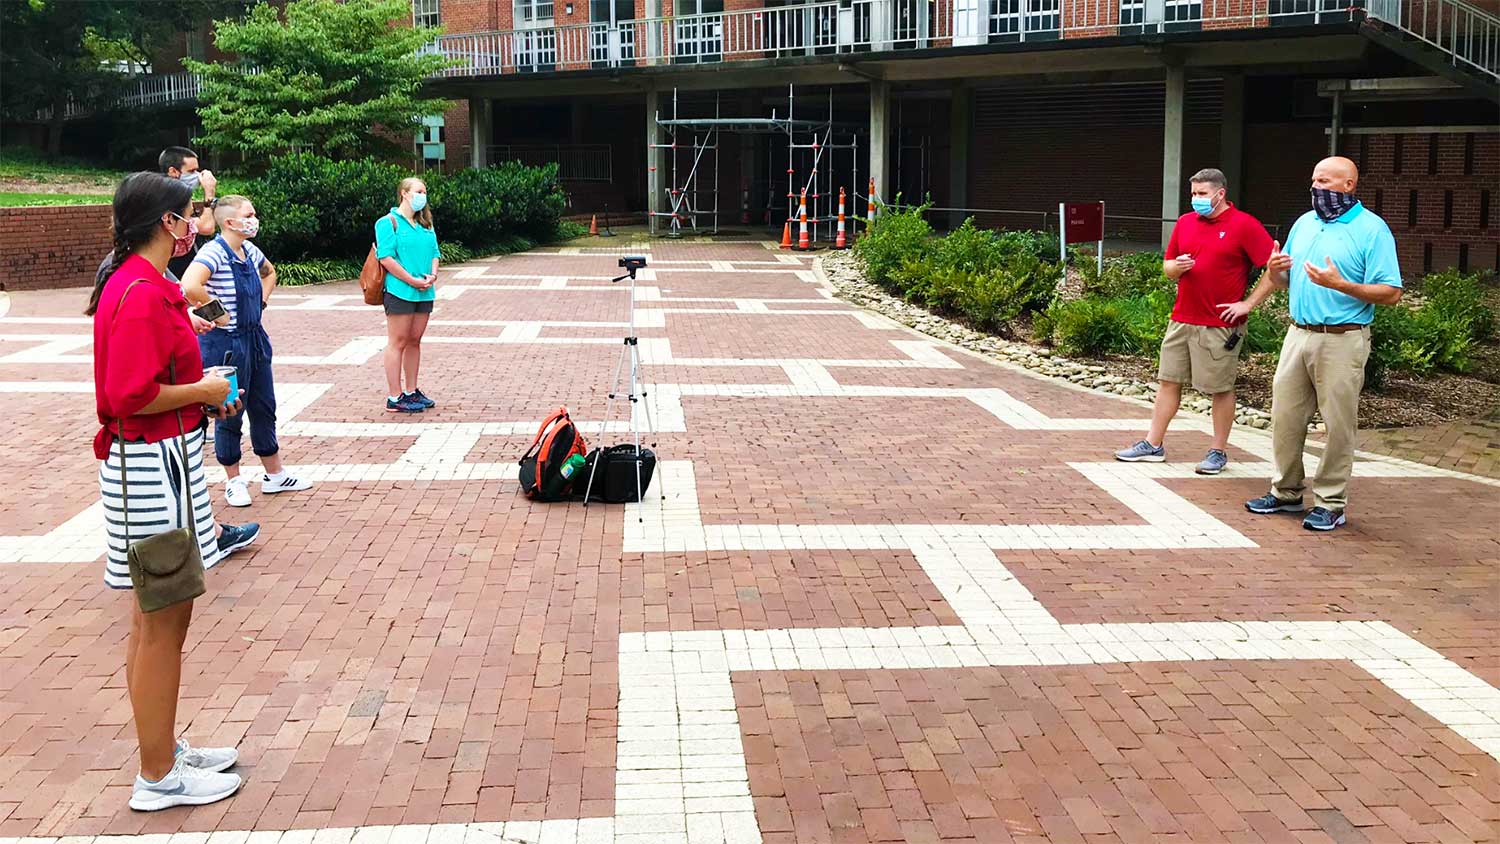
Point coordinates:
[[1080, 222], [1083, 222]]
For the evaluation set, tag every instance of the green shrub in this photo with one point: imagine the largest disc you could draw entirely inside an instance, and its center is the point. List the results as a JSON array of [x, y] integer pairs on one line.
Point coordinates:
[[316, 271], [454, 253], [1096, 325], [1091, 326], [1134, 274], [568, 230], [472, 206], [314, 207], [895, 238], [1457, 301], [1438, 336], [1265, 328]]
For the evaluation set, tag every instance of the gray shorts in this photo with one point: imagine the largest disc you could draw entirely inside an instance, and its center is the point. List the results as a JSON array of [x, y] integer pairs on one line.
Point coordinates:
[[396, 306]]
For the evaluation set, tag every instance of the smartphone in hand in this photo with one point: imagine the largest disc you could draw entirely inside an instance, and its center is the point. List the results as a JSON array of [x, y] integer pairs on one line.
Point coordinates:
[[212, 310]]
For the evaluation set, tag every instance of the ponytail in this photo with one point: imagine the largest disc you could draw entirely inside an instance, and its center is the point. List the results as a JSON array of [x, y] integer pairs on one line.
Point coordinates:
[[140, 201]]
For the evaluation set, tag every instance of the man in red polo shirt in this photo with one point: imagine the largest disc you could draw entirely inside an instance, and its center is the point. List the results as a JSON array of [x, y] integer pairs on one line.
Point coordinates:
[[1214, 249]]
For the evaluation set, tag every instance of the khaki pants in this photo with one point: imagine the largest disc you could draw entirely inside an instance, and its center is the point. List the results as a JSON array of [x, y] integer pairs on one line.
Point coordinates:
[[1322, 372]]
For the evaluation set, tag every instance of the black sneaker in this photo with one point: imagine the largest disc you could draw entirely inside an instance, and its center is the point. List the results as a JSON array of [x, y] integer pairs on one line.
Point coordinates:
[[1271, 504], [419, 397], [1322, 518], [402, 405], [234, 537]]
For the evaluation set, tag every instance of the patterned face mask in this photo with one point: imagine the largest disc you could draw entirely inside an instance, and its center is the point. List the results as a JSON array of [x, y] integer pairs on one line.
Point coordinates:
[[1331, 204]]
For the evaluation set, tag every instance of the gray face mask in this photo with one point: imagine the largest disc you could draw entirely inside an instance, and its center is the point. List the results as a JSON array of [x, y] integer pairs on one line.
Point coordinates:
[[190, 179]]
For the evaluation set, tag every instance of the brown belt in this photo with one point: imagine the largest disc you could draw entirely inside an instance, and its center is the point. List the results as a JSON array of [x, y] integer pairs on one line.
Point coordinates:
[[1331, 329]]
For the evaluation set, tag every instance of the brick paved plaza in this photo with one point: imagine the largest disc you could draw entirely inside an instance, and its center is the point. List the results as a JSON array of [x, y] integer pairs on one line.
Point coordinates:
[[882, 590]]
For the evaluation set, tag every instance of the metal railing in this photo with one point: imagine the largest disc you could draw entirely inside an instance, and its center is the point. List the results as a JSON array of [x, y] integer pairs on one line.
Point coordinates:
[[575, 163], [164, 89], [1468, 35]]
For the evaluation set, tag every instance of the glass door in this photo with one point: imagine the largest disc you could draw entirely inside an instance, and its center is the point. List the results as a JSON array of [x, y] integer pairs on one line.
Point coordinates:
[[699, 31], [536, 40], [611, 32]]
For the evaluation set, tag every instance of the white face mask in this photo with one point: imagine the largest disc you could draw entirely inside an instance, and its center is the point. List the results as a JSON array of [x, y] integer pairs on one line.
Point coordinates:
[[248, 226]]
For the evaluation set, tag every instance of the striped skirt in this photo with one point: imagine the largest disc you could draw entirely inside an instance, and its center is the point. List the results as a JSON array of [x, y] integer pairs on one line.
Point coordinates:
[[156, 500]]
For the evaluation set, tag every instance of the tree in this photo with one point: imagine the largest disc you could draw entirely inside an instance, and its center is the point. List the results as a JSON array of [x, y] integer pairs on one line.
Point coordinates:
[[321, 78], [52, 52]]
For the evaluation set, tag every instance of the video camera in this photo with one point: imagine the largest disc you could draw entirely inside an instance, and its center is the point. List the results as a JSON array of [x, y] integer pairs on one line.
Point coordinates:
[[631, 263]]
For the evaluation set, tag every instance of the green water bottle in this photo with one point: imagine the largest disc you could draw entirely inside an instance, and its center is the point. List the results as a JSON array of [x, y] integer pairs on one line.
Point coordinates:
[[565, 474]]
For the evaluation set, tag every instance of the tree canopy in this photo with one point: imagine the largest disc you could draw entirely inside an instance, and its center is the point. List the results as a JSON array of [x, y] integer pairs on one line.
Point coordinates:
[[319, 76]]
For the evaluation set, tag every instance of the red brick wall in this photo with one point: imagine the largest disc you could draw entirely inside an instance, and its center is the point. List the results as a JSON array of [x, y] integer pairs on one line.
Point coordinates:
[[54, 246], [459, 16], [1437, 170]]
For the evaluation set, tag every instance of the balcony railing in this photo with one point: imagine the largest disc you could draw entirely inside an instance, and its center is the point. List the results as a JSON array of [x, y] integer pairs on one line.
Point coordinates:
[[824, 28], [1468, 35]]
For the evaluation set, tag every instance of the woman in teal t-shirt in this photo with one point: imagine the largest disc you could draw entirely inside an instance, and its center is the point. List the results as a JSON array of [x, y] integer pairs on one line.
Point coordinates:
[[408, 249]]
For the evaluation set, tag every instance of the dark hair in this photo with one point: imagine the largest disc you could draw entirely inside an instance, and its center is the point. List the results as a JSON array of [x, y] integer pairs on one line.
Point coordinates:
[[140, 201], [173, 157]]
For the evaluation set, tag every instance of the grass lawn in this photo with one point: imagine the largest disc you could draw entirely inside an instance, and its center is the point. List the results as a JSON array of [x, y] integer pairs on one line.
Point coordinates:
[[12, 200], [20, 163]]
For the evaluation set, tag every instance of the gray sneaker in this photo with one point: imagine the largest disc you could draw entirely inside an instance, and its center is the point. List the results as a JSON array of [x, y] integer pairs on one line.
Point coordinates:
[[1213, 463], [214, 759], [1143, 452], [184, 785]]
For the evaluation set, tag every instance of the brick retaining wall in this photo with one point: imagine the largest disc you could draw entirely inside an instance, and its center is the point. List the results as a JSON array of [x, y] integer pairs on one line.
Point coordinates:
[[52, 246]]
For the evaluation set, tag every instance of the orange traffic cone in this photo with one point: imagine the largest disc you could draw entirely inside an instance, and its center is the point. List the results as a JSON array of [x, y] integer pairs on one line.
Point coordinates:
[[802, 242], [840, 242], [786, 235], [594, 225]]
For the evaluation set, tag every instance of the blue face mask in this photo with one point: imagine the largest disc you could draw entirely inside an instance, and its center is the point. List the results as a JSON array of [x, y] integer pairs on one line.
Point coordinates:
[[1203, 205], [418, 201]]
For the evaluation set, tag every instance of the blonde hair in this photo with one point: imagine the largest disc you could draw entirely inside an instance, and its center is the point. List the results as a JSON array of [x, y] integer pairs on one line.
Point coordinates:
[[425, 215], [228, 206]]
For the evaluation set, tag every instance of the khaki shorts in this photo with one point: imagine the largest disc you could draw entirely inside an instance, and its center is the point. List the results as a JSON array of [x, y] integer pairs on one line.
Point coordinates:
[[1195, 354]]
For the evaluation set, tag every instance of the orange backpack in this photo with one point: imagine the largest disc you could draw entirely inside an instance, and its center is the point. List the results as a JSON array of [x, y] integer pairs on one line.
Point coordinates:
[[542, 465]]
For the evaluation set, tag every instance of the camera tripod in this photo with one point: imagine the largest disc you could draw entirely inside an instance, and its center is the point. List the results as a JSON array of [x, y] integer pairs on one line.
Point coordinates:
[[630, 353]]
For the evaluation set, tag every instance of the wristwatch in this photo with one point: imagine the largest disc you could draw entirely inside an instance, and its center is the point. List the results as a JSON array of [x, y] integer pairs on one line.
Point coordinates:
[[212, 203]]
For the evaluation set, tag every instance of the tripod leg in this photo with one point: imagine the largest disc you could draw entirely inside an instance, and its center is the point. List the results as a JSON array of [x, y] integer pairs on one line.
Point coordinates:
[[609, 415], [635, 380]]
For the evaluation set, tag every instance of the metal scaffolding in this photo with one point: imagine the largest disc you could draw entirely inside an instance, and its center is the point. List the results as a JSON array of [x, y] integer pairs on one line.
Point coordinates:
[[813, 148]]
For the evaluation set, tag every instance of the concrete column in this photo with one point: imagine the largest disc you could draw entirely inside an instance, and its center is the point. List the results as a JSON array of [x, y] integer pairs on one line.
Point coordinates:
[[1232, 136], [960, 128], [1337, 128], [880, 136], [481, 131], [654, 160], [1171, 151]]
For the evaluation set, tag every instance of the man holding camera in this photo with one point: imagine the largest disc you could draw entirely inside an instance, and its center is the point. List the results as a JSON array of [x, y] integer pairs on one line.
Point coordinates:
[[1216, 247], [1340, 264]]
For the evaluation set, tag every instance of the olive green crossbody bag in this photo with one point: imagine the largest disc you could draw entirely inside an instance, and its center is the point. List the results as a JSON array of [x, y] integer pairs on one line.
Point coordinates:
[[165, 569]]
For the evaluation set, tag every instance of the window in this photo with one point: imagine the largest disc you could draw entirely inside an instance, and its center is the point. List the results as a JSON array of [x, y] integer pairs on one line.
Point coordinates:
[[431, 146], [424, 13], [533, 12]]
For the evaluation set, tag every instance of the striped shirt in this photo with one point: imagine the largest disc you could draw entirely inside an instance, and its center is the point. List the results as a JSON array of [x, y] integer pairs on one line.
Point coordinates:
[[219, 258]]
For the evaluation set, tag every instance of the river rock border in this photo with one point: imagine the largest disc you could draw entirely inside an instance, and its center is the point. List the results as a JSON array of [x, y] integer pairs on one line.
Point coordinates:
[[846, 276]]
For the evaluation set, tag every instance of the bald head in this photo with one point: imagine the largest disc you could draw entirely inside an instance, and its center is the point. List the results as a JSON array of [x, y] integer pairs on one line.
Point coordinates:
[[1336, 173]]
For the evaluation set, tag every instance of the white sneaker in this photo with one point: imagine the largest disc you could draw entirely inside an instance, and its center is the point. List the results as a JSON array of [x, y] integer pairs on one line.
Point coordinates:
[[184, 785], [237, 492], [213, 759], [285, 483]]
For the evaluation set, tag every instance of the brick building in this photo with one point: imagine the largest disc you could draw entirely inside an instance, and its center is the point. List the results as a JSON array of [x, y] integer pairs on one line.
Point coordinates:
[[1004, 105]]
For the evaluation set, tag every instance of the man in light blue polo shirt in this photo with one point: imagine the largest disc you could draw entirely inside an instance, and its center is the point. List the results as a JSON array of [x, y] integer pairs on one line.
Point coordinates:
[[1339, 262]]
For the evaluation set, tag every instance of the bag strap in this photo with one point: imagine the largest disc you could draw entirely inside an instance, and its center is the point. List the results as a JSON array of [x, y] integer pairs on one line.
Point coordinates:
[[192, 516], [560, 413]]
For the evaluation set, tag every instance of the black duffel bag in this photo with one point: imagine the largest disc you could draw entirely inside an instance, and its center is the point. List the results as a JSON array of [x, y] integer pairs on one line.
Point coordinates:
[[614, 475]]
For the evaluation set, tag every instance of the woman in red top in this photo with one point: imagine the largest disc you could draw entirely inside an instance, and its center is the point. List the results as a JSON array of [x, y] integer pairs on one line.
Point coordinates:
[[150, 388]]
